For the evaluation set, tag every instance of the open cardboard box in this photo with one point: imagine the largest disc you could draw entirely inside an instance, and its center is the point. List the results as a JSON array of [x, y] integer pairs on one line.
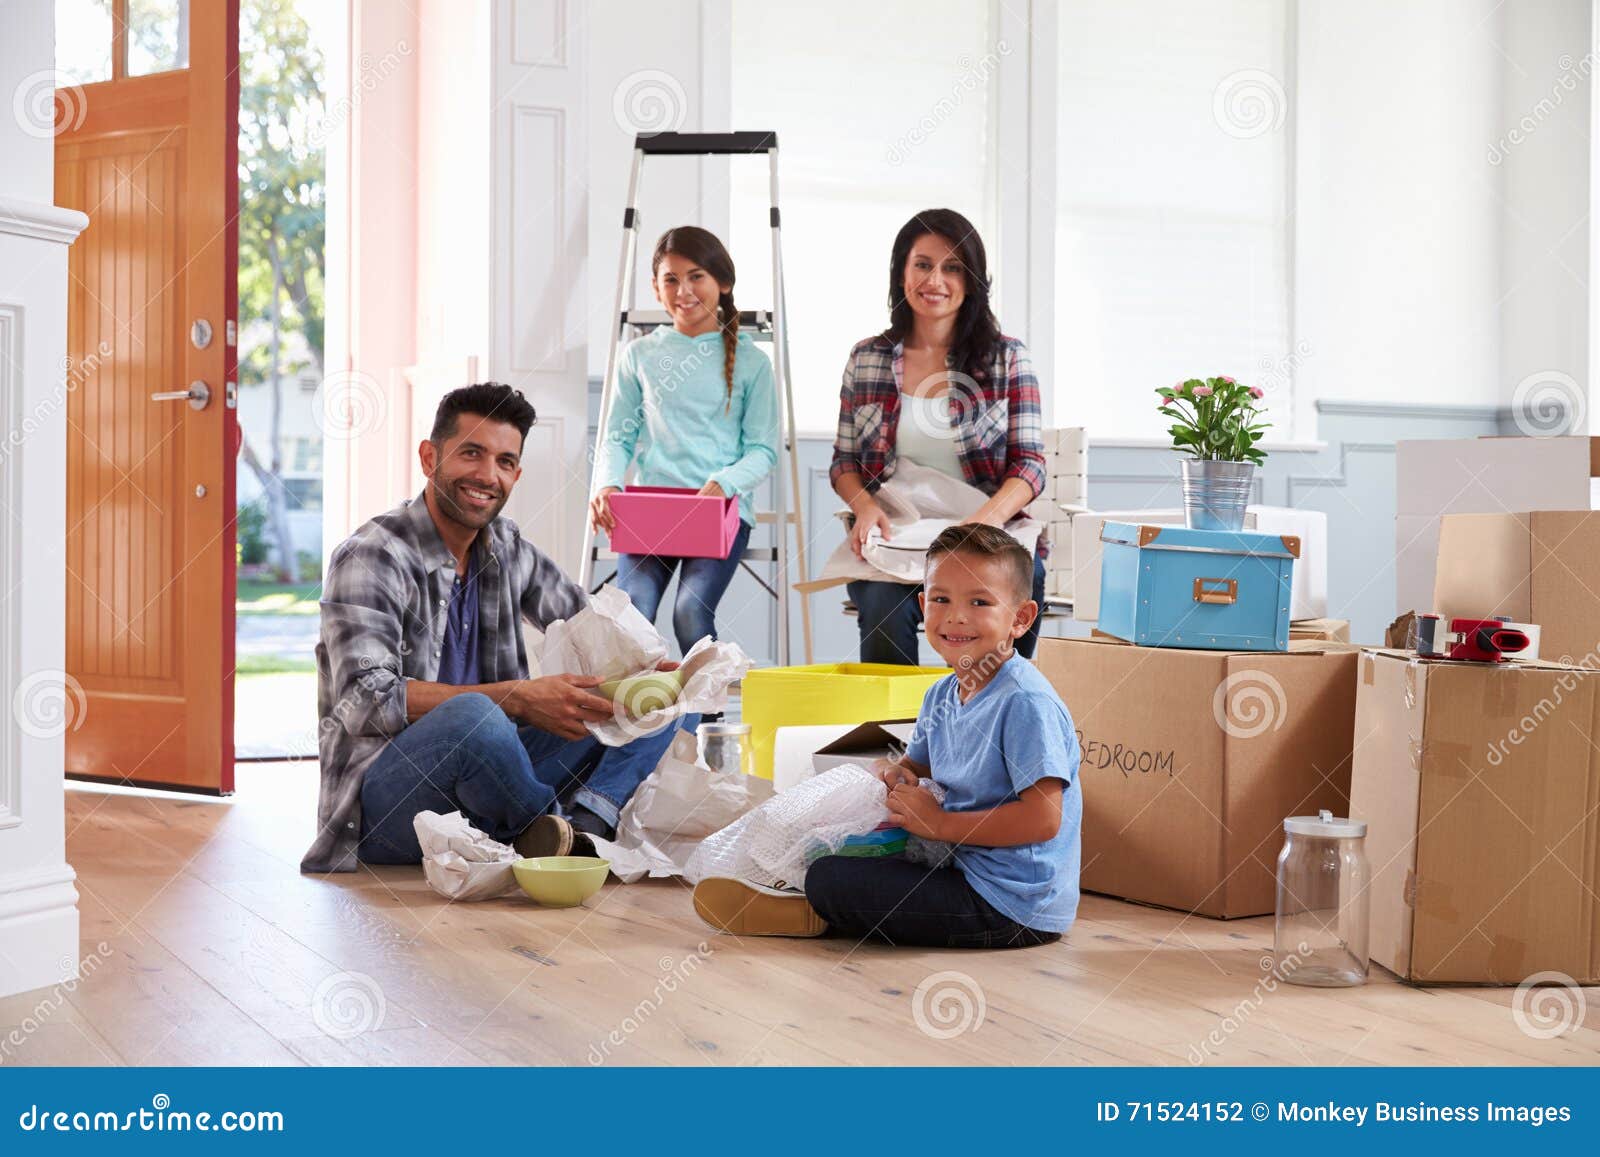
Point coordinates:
[[1494, 475], [861, 745], [1192, 759], [1480, 785], [1542, 568]]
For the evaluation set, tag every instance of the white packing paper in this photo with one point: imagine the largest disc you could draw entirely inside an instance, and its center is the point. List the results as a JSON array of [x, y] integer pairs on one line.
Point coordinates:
[[460, 862], [610, 639], [677, 806]]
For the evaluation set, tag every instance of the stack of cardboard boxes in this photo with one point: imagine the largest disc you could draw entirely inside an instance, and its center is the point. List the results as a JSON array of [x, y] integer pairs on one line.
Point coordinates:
[[1479, 782]]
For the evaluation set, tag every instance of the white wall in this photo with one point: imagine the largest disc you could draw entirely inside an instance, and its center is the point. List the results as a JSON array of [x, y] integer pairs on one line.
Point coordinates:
[[651, 67], [1424, 270], [38, 903]]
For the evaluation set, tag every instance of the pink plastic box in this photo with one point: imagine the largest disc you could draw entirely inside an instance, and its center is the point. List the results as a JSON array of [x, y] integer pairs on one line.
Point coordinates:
[[673, 522]]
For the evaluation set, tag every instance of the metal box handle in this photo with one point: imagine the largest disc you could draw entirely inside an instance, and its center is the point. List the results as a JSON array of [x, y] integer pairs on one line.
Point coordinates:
[[1216, 590]]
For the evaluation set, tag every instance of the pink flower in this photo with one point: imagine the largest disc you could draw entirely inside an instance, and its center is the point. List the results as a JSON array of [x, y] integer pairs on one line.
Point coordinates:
[[1230, 381], [1202, 391], [1257, 392]]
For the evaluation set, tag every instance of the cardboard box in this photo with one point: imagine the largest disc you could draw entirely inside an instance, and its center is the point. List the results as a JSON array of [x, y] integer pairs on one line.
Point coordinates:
[[1541, 568], [1192, 759], [863, 744], [1479, 784], [1480, 476], [1320, 630], [1310, 599]]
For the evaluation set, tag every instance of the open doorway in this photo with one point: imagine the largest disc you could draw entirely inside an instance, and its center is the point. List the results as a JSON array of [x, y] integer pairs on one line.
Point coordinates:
[[282, 278]]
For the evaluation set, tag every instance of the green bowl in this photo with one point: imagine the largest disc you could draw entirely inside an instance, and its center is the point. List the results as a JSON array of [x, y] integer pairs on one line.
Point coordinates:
[[641, 694], [561, 881]]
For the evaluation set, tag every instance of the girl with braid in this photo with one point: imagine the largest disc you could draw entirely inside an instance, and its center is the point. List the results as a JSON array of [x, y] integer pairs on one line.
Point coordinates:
[[695, 407]]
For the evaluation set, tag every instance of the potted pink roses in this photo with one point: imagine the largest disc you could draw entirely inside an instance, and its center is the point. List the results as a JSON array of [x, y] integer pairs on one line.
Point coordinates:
[[1216, 423]]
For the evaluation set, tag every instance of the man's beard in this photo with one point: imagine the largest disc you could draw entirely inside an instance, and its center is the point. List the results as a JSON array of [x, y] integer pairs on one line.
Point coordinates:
[[454, 507]]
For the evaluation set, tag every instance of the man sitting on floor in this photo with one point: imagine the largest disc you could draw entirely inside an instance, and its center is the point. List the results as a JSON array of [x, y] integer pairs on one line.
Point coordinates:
[[422, 679]]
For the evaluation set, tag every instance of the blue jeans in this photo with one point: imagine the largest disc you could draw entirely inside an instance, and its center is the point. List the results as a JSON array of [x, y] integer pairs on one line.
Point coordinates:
[[894, 900], [644, 578], [468, 755], [888, 616]]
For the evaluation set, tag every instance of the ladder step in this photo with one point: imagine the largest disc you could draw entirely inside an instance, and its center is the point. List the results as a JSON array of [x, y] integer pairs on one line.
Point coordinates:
[[704, 144], [759, 321], [770, 518]]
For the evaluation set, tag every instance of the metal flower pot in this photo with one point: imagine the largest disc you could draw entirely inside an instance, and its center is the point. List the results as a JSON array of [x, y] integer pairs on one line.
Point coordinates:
[[1216, 493]]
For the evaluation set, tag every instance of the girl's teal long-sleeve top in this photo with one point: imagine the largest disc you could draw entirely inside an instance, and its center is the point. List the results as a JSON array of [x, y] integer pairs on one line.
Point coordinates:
[[673, 419]]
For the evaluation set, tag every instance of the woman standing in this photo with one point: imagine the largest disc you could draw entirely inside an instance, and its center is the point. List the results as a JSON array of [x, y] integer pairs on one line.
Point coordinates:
[[695, 408], [944, 388]]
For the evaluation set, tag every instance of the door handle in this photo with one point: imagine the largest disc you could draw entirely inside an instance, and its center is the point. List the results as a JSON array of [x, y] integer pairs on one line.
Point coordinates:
[[198, 395], [1216, 590]]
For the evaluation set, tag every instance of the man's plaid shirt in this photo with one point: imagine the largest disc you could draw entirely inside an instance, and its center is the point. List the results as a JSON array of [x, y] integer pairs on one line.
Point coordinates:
[[385, 604]]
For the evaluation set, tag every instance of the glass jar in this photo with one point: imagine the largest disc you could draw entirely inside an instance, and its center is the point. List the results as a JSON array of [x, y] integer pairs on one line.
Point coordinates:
[[726, 747], [1321, 937]]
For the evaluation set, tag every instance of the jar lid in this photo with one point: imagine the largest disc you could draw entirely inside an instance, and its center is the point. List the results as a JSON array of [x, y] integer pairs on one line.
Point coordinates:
[[723, 729], [1325, 823]]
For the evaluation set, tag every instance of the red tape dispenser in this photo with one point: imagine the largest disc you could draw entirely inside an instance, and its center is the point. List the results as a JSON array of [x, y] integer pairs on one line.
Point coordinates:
[[1474, 640]]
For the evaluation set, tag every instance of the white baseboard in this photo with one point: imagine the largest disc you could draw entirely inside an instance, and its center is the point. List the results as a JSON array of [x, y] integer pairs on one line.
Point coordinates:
[[38, 930]]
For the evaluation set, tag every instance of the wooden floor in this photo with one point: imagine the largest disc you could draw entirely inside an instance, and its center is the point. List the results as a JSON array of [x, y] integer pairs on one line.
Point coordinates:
[[203, 945]]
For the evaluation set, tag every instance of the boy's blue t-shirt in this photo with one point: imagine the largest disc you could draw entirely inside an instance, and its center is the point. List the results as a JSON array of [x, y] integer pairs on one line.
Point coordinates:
[[1007, 737]]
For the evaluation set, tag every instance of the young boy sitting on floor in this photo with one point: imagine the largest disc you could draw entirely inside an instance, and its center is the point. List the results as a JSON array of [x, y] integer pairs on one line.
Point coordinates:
[[998, 739]]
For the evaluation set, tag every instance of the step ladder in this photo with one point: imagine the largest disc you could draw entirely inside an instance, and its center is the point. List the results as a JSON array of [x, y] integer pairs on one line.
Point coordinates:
[[769, 325]]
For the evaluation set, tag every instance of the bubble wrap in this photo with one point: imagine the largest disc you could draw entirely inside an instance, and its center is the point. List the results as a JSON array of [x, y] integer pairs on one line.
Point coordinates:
[[771, 845]]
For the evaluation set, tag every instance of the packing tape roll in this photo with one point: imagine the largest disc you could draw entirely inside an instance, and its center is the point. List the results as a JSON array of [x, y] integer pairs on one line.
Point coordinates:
[[792, 748]]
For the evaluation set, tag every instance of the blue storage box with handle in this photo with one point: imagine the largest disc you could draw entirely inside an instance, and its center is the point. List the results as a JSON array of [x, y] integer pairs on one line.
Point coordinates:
[[1223, 590]]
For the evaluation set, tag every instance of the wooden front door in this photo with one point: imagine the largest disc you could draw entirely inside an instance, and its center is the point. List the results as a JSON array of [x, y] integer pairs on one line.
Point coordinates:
[[152, 158]]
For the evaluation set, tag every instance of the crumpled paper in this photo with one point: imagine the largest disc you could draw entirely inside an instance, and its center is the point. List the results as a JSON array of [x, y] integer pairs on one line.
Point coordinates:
[[920, 501], [677, 806], [459, 861], [610, 639]]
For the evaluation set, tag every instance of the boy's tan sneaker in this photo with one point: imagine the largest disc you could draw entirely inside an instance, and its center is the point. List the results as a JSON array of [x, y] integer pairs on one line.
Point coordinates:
[[751, 910]]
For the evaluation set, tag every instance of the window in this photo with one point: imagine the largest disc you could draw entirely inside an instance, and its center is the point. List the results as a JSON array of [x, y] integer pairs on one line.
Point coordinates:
[[881, 110], [83, 41], [87, 48], [1172, 243]]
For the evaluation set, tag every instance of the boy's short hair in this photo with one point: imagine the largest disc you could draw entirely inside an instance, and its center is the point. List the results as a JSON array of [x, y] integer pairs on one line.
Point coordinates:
[[494, 400], [980, 540]]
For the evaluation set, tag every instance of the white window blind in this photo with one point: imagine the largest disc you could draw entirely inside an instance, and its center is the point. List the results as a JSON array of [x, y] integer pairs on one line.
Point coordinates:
[[881, 109], [1172, 245]]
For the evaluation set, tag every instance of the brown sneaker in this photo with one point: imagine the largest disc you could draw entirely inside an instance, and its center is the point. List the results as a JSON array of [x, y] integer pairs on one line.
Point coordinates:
[[552, 835], [751, 910]]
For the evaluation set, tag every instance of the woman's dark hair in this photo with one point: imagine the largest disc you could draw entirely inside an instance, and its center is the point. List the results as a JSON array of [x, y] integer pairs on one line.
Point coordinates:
[[702, 247], [977, 333], [487, 400]]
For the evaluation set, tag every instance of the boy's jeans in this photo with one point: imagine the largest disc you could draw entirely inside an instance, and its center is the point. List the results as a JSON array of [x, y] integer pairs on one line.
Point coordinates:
[[910, 904], [701, 583], [468, 755]]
